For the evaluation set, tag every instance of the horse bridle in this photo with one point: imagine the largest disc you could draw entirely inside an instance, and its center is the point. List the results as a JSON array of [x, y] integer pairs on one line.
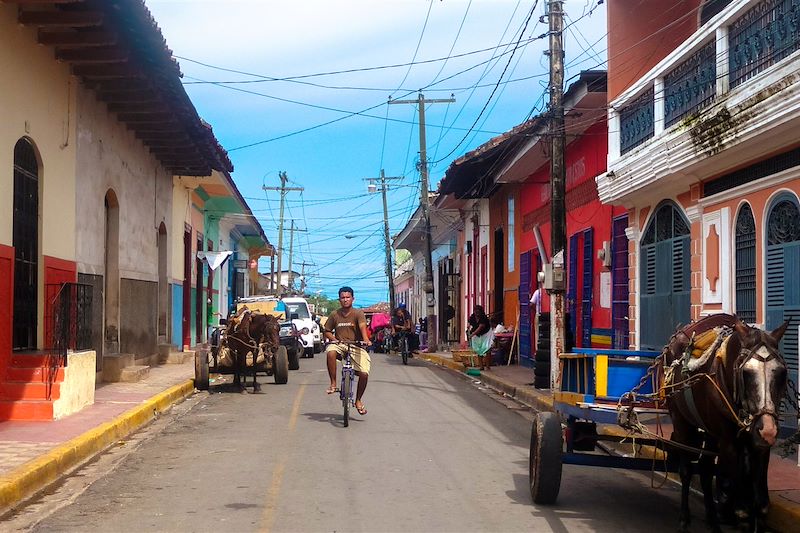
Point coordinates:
[[747, 419]]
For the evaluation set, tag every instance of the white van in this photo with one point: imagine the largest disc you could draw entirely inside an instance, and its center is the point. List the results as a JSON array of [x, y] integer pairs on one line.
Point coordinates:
[[304, 322]]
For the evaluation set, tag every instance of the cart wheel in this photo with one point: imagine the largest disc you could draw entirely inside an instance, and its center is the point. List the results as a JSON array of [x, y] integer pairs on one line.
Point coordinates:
[[201, 370], [280, 366], [294, 359], [545, 458]]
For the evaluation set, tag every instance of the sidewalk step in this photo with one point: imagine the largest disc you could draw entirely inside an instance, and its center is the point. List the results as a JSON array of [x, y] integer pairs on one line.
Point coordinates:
[[134, 373], [37, 374], [33, 360], [177, 358], [30, 410], [114, 364], [20, 390]]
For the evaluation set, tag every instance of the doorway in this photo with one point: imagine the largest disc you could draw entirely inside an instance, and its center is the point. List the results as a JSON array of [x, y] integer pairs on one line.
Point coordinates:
[[26, 246]]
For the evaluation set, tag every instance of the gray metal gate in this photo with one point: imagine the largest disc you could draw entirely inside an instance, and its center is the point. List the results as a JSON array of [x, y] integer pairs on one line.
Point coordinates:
[[664, 266]]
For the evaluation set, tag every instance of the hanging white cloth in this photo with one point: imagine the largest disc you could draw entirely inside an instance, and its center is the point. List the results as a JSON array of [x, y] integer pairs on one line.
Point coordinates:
[[214, 259]]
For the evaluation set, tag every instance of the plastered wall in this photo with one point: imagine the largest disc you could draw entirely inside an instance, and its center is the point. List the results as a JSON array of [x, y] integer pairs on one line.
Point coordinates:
[[110, 157], [38, 102]]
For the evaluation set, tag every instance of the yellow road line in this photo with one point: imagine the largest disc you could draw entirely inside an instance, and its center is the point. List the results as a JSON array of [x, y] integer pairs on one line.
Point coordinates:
[[277, 474]]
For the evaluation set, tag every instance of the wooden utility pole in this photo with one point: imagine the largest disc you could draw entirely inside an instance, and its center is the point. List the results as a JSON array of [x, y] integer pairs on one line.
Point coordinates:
[[430, 299], [283, 190], [558, 217], [303, 277], [386, 242], [291, 246]]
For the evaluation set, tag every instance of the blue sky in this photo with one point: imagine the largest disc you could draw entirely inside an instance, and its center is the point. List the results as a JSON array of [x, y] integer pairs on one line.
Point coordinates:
[[236, 57]]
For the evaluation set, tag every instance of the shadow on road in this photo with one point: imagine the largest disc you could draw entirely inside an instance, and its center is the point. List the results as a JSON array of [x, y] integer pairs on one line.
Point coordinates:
[[334, 419]]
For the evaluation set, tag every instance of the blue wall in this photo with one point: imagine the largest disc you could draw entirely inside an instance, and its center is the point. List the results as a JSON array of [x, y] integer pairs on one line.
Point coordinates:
[[177, 315]]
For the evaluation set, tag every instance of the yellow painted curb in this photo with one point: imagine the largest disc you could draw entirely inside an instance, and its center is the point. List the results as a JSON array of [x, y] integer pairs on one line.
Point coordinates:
[[38, 473]]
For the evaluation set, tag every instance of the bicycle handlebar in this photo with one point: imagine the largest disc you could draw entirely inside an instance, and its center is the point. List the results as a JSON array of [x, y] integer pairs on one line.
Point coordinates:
[[363, 344]]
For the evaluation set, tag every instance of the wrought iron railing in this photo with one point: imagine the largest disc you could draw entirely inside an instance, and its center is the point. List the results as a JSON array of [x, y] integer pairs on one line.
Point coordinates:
[[69, 317], [691, 86], [757, 36], [637, 122], [763, 36]]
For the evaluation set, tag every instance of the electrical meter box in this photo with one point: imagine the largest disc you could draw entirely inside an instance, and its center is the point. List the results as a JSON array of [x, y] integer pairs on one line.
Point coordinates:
[[554, 278]]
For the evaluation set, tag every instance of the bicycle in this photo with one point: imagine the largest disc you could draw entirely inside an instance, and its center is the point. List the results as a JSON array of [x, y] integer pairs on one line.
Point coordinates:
[[402, 346], [348, 377]]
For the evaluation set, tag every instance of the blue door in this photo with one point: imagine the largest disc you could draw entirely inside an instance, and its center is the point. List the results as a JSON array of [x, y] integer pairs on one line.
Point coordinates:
[[525, 352], [587, 289], [620, 325], [664, 265], [783, 283]]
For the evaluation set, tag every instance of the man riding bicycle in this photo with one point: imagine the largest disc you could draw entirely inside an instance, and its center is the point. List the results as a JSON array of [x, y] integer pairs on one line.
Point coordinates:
[[349, 325], [401, 323]]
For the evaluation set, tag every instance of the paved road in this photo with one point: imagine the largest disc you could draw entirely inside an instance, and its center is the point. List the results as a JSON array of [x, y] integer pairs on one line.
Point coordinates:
[[434, 453]]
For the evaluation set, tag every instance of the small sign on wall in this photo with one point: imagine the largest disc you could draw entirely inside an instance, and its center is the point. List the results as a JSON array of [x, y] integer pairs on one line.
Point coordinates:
[[240, 263], [605, 290]]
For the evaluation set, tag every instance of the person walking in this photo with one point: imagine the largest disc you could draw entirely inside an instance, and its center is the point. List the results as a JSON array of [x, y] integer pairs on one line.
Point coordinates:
[[350, 325]]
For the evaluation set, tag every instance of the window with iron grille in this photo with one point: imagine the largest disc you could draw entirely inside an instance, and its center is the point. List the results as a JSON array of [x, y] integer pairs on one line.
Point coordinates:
[[746, 265], [637, 122]]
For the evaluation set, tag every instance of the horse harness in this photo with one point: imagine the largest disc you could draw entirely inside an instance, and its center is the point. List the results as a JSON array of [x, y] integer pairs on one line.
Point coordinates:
[[699, 354]]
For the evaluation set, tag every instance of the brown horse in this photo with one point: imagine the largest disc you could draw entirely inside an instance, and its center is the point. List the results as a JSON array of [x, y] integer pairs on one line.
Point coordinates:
[[726, 379], [251, 332]]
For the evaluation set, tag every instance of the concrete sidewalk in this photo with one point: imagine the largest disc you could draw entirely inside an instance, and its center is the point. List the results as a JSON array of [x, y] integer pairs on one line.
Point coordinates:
[[35, 454], [516, 381]]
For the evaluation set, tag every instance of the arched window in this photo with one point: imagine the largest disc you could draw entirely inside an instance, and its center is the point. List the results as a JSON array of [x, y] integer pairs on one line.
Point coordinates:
[[783, 265], [746, 265], [664, 269]]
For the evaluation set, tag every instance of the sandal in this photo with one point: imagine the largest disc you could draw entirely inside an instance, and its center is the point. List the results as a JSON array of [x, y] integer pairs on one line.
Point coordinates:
[[361, 409], [332, 390]]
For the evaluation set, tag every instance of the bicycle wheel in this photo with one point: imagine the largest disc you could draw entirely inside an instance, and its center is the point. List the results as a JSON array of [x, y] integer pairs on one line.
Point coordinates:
[[347, 393], [404, 349]]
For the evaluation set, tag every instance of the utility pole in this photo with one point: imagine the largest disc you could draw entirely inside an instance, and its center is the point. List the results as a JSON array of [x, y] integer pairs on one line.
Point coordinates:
[[291, 245], [387, 243], [283, 190], [430, 299], [558, 217], [303, 276]]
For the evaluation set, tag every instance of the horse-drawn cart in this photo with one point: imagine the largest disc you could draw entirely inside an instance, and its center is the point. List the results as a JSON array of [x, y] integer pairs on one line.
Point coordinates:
[[259, 354], [713, 395], [592, 382]]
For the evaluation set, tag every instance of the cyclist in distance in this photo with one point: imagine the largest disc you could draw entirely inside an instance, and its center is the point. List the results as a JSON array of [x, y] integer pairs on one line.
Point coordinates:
[[401, 323], [348, 324]]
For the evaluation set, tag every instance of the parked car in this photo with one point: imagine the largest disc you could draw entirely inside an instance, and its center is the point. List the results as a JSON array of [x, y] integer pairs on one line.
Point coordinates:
[[296, 309], [291, 339]]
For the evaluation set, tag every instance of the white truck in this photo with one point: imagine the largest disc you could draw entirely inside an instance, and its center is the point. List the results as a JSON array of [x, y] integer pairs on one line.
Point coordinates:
[[301, 316]]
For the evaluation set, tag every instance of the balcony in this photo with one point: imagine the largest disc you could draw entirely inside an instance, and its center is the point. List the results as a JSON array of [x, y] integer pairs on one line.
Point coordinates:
[[733, 84]]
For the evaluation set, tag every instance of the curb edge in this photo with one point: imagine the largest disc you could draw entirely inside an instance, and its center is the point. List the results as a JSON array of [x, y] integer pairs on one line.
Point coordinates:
[[35, 475]]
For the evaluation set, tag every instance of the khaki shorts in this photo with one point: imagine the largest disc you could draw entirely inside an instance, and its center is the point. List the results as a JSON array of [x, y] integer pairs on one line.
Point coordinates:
[[358, 355]]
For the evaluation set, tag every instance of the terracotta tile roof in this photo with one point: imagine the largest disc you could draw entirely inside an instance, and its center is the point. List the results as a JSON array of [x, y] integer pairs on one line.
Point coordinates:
[[117, 50]]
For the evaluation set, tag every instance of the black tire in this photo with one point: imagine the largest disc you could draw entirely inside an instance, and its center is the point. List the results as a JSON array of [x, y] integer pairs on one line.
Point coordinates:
[[544, 467], [542, 356], [540, 370], [404, 349], [201, 381], [347, 385], [280, 366], [541, 382], [317, 349], [294, 359]]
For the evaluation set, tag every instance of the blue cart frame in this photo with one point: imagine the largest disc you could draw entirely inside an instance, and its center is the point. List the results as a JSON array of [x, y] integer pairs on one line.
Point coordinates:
[[591, 382]]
